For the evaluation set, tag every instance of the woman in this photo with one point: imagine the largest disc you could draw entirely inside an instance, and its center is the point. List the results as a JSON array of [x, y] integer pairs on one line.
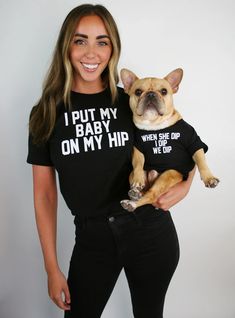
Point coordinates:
[[82, 128]]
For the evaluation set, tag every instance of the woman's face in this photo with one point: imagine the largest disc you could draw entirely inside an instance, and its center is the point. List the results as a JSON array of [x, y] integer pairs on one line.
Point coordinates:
[[90, 52]]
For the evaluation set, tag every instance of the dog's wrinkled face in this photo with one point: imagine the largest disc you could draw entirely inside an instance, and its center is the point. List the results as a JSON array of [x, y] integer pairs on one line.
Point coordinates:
[[151, 99]]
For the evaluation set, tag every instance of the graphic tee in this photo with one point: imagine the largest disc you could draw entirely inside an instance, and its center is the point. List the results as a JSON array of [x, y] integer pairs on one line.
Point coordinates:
[[90, 148], [169, 148]]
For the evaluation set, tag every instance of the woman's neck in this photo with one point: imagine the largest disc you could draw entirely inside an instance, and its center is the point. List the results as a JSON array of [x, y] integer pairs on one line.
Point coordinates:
[[87, 87]]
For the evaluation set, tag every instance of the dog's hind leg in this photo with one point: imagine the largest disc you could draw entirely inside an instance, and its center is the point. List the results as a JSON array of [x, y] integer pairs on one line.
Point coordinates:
[[162, 184]]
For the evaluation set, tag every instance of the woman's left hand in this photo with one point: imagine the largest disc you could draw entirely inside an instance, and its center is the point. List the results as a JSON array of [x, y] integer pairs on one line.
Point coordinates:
[[175, 193]]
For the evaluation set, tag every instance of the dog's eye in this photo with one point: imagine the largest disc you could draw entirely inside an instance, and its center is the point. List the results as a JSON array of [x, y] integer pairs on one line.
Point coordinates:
[[138, 92], [163, 91]]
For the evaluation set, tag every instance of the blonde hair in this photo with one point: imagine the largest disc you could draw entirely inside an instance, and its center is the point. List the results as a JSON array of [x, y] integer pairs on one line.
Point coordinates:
[[58, 82]]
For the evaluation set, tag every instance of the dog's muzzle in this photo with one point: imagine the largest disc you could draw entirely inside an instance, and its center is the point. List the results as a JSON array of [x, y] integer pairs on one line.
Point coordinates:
[[150, 102]]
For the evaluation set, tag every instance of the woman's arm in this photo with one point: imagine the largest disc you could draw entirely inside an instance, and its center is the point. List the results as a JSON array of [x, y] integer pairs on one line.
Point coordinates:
[[175, 194], [45, 203]]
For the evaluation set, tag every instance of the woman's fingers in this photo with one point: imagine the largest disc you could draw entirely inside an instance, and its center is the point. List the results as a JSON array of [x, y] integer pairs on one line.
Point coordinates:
[[59, 291]]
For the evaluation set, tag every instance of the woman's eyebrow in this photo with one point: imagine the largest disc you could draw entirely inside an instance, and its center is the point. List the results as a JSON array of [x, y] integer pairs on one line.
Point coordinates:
[[102, 36], [81, 35]]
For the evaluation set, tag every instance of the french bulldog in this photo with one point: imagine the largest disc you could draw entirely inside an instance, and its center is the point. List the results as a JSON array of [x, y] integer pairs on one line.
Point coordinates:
[[166, 147]]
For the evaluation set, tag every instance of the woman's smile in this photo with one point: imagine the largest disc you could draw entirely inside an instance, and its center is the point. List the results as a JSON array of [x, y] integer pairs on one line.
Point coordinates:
[[90, 67]]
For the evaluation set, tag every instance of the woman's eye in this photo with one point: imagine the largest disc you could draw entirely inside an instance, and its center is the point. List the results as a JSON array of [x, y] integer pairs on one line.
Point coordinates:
[[79, 42], [102, 43], [163, 91], [138, 92]]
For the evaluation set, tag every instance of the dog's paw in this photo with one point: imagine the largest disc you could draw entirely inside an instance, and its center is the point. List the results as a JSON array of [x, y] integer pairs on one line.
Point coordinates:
[[139, 186], [128, 205], [152, 176], [211, 182], [134, 194]]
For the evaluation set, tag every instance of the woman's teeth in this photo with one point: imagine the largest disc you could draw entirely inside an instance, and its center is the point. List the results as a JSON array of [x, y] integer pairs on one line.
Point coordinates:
[[90, 66]]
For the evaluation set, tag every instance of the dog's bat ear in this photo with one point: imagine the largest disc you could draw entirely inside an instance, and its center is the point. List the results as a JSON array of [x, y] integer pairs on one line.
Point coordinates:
[[174, 78], [128, 78]]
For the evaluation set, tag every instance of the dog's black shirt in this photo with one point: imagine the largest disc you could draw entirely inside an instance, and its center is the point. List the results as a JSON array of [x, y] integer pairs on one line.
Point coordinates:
[[91, 148], [169, 148]]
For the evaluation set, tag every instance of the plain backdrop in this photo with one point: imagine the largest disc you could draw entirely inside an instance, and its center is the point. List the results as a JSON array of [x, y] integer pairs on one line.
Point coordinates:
[[157, 37]]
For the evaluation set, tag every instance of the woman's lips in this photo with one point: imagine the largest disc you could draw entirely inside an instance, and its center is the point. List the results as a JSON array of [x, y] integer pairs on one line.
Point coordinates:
[[90, 67]]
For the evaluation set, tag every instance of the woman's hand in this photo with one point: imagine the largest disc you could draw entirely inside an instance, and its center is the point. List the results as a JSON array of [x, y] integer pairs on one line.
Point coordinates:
[[58, 290], [175, 193]]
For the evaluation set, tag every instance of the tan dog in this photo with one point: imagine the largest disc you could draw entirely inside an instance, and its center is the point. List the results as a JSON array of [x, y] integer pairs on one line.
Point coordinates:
[[165, 145]]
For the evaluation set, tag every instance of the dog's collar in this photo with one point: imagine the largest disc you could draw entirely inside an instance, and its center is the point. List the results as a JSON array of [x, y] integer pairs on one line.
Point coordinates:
[[149, 126], [171, 120]]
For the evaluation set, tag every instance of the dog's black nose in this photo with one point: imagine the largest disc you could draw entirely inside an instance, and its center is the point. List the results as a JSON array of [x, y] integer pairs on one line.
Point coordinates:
[[151, 94]]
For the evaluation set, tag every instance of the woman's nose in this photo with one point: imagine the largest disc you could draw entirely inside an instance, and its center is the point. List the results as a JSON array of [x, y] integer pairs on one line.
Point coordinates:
[[91, 51]]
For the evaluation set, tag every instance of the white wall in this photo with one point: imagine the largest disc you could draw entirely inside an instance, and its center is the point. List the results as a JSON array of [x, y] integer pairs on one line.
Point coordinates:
[[157, 36]]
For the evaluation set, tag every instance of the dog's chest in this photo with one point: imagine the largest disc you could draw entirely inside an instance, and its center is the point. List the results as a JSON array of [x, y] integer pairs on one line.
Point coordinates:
[[164, 148]]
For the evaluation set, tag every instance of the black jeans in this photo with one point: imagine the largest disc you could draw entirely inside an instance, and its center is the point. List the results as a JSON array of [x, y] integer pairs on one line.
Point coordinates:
[[144, 243]]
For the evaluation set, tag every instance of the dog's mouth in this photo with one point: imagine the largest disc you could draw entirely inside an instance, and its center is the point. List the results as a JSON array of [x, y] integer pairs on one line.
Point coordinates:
[[153, 106], [150, 104]]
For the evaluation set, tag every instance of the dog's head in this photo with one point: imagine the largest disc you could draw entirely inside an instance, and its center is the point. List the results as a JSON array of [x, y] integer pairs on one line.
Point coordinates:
[[151, 99]]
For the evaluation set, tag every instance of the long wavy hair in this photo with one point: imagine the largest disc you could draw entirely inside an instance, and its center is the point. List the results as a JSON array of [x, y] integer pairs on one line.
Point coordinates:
[[59, 79]]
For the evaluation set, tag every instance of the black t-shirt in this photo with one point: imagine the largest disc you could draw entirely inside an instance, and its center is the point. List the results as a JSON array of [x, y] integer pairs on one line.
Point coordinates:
[[169, 148], [91, 149]]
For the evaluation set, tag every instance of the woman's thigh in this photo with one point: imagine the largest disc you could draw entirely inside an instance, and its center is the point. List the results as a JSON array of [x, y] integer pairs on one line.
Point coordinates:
[[94, 270], [152, 265]]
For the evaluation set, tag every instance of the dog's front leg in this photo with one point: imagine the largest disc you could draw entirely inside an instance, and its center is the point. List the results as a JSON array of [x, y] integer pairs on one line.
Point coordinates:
[[207, 177], [137, 177], [162, 184]]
